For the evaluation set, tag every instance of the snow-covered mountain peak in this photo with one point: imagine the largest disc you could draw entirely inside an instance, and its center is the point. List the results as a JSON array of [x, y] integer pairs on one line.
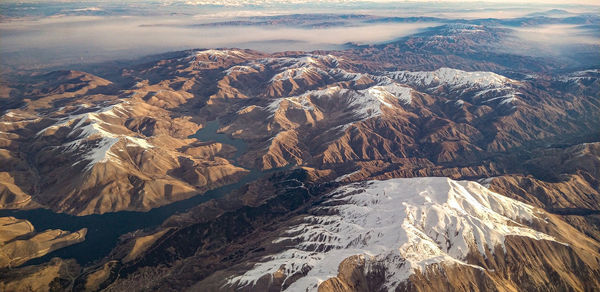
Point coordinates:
[[403, 224], [297, 72], [477, 86], [206, 57], [452, 77], [585, 75], [93, 135], [363, 104], [456, 28]]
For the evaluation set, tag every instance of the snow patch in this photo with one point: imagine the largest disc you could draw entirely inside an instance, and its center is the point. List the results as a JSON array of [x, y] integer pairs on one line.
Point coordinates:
[[242, 69], [301, 67], [364, 103], [453, 77], [295, 102], [578, 76], [91, 137], [345, 176], [404, 224], [486, 86], [297, 73], [215, 55]]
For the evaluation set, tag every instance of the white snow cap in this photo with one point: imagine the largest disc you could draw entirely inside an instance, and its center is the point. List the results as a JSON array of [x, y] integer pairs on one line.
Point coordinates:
[[93, 126], [404, 224], [482, 86], [365, 103]]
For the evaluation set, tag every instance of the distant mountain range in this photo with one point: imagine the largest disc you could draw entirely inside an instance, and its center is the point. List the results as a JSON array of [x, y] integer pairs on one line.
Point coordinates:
[[433, 162]]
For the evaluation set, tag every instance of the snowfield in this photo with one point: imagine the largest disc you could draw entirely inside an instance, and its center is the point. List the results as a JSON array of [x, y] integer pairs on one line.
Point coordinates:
[[405, 224]]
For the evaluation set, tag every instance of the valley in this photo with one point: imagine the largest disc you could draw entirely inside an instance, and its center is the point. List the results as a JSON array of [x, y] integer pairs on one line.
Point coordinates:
[[435, 161]]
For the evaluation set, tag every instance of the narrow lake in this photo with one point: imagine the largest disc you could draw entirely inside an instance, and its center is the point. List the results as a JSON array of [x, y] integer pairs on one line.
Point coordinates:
[[104, 230]]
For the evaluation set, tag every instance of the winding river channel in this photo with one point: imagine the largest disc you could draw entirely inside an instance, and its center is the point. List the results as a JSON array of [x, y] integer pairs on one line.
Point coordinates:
[[104, 230]]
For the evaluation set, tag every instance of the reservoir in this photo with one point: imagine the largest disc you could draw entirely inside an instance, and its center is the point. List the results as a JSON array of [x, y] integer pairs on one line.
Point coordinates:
[[104, 230]]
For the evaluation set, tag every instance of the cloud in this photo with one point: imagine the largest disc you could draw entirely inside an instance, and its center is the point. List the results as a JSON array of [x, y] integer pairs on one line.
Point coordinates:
[[556, 35], [570, 43], [62, 40], [73, 39]]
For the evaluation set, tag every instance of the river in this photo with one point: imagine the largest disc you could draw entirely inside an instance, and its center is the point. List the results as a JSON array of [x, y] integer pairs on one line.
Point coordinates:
[[104, 230]]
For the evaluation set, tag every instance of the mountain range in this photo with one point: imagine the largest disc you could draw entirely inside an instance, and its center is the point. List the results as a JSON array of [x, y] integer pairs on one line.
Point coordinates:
[[434, 162]]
